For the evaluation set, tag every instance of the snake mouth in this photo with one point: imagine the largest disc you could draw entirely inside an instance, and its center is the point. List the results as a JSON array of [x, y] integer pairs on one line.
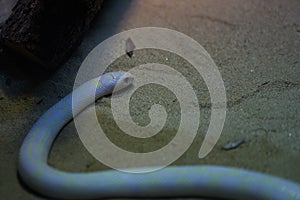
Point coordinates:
[[128, 78]]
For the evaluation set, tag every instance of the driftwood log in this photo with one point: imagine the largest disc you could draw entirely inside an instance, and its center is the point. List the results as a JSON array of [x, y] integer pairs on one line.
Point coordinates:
[[47, 31]]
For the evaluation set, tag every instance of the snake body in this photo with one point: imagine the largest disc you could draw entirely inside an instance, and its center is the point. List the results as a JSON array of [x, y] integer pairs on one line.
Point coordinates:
[[178, 181]]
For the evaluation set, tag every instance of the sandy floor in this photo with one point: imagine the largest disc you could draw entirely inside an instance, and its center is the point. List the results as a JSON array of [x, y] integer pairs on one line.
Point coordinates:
[[256, 46]]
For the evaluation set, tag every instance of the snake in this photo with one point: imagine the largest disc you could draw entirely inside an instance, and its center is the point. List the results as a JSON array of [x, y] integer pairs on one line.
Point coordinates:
[[172, 181]]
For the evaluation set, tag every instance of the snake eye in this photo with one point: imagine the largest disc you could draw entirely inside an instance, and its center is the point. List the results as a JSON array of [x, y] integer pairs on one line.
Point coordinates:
[[112, 76]]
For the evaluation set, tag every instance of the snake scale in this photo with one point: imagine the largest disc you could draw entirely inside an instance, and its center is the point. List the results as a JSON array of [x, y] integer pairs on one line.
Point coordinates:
[[173, 181]]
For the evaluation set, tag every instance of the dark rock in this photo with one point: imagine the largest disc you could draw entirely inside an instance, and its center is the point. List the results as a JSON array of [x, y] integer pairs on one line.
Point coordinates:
[[47, 31]]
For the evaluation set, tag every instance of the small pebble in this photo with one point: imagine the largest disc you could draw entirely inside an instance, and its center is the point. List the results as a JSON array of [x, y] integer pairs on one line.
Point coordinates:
[[233, 144]]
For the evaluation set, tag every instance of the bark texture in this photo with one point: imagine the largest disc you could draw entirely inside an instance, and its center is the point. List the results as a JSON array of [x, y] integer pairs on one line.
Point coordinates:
[[47, 31]]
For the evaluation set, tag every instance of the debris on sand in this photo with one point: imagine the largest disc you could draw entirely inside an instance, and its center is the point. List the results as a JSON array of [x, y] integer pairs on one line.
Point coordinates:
[[233, 144], [129, 47]]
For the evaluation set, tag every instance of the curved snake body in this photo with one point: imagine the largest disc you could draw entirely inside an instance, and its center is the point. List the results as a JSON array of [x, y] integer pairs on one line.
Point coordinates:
[[187, 181]]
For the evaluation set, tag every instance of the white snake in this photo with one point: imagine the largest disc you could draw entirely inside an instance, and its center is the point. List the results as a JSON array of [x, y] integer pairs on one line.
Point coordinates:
[[187, 181]]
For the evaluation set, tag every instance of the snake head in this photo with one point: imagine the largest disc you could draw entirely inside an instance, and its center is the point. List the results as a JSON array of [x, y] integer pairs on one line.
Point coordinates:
[[116, 81], [124, 80]]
